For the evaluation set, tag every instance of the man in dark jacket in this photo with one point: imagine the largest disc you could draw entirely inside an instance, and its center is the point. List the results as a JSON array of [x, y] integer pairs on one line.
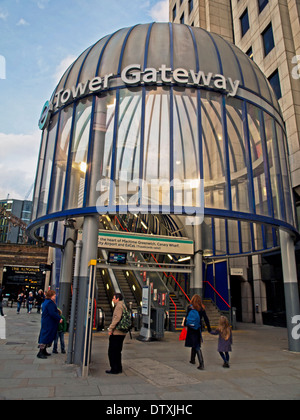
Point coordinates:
[[50, 321], [116, 337]]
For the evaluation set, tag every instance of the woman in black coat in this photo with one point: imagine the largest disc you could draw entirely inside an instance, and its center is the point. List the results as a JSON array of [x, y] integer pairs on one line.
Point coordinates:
[[49, 324], [194, 337]]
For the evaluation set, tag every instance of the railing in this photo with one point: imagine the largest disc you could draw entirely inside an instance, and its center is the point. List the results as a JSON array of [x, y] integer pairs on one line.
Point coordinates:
[[217, 293], [175, 306]]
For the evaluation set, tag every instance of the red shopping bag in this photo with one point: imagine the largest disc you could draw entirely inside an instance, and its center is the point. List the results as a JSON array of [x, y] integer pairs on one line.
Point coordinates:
[[182, 336]]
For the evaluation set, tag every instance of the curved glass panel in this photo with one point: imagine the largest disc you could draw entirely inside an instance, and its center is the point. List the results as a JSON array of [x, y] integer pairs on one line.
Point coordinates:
[[101, 150], [258, 161], [237, 155], [60, 160], [156, 171], [213, 152], [39, 175], [47, 168], [78, 157]]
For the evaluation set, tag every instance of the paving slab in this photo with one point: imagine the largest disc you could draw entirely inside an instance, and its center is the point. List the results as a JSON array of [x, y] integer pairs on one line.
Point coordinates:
[[261, 368]]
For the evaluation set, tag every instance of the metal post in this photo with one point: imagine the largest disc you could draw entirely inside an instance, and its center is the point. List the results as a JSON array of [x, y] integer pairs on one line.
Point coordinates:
[[291, 290], [89, 252], [66, 273], [74, 302], [197, 286], [87, 346]]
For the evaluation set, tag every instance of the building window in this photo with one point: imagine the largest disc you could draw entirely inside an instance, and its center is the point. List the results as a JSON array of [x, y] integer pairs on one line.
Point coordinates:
[[191, 6], [174, 12], [182, 18], [275, 83], [268, 39], [244, 22], [250, 53], [262, 4]]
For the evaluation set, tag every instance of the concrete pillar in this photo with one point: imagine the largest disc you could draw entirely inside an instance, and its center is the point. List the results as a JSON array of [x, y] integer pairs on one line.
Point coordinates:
[[291, 290], [66, 273]]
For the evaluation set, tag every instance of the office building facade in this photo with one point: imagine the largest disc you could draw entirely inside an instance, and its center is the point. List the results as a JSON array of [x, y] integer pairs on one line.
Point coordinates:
[[269, 33]]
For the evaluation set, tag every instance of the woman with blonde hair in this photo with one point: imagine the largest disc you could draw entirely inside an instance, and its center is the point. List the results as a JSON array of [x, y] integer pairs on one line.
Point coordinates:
[[225, 339], [194, 336]]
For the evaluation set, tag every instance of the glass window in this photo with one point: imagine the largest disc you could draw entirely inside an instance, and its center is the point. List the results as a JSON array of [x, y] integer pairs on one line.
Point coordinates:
[[182, 18], [78, 158], [191, 6], [46, 177], [101, 150], [186, 150], [127, 156], [262, 4], [61, 160], [39, 176], [244, 19], [268, 39], [250, 53], [156, 171], [257, 161], [275, 83], [237, 156], [174, 12], [274, 166], [213, 152]]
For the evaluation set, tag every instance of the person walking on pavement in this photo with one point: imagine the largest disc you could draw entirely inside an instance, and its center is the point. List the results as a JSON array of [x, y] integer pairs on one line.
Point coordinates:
[[194, 336], [40, 297], [62, 328], [225, 339], [1, 300], [116, 337], [49, 324], [20, 300], [30, 302]]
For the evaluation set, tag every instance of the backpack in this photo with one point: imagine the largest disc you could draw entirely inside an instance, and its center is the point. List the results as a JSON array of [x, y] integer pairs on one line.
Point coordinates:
[[193, 319], [125, 323]]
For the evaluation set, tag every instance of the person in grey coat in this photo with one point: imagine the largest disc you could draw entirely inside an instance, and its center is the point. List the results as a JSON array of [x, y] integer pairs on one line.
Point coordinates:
[[225, 339]]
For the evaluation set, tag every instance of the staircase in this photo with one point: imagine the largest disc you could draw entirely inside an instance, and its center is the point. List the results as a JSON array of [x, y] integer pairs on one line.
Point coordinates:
[[103, 301], [180, 314], [125, 289], [211, 310]]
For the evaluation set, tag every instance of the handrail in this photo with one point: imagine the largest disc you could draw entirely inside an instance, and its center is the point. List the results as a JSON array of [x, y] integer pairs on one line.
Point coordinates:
[[175, 310], [217, 293], [171, 275]]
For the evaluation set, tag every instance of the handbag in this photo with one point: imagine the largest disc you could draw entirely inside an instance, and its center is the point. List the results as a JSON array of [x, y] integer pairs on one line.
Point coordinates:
[[183, 333]]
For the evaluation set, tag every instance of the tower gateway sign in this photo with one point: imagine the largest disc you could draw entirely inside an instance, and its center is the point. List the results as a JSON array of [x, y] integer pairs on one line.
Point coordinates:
[[133, 75]]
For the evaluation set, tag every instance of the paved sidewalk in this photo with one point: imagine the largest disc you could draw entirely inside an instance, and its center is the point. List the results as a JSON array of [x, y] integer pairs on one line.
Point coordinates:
[[261, 368]]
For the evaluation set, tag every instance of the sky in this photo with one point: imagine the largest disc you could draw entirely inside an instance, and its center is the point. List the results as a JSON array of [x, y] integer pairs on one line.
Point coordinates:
[[39, 39]]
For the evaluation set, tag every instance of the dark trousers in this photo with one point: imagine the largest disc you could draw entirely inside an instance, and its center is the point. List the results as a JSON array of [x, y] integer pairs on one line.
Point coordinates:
[[115, 352]]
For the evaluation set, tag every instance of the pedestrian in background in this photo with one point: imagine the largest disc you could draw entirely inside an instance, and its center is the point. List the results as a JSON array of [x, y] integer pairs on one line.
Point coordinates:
[[40, 297], [49, 324], [1, 300], [62, 328], [20, 300], [30, 302], [225, 339]]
